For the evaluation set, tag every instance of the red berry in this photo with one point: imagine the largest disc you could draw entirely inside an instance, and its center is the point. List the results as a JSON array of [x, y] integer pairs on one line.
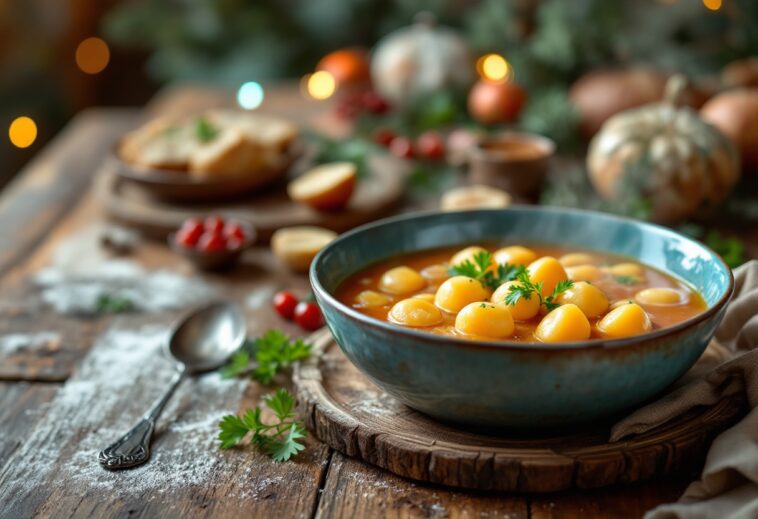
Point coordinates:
[[211, 242], [383, 136], [402, 147], [214, 224], [234, 243], [308, 316], [430, 145], [233, 229], [374, 103], [285, 303], [189, 233]]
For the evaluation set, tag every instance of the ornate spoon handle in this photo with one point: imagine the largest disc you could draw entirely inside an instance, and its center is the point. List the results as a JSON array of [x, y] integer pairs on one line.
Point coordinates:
[[133, 448]]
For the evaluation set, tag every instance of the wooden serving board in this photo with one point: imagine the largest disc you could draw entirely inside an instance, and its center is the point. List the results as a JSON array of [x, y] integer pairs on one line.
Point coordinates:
[[349, 413], [269, 210]]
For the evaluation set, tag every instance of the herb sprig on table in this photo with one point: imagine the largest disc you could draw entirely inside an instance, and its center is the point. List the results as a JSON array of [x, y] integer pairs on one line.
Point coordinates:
[[271, 352], [280, 439], [526, 288], [480, 269]]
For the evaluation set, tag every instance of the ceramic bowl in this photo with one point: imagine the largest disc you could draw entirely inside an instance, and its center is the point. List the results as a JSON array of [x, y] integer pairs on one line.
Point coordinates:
[[520, 385]]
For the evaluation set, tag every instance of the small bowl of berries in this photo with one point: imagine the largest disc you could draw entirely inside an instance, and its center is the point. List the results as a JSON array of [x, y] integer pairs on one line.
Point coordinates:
[[213, 243]]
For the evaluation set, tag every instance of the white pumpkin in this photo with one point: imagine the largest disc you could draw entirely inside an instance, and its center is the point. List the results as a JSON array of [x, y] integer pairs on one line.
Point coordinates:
[[676, 161], [420, 59]]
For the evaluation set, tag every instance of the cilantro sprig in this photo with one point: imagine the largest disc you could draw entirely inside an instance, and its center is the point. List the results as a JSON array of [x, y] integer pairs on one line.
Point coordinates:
[[526, 288], [480, 270], [271, 352], [627, 280], [279, 439], [204, 130]]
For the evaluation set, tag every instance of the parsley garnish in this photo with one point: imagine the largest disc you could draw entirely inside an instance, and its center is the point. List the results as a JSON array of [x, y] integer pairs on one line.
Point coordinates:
[[479, 269], [204, 130], [279, 439], [272, 351], [525, 288], [626, 280], [113, 304]]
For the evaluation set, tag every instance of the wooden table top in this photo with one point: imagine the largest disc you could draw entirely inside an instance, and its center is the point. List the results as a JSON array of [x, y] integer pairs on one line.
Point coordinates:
[[57, 407]]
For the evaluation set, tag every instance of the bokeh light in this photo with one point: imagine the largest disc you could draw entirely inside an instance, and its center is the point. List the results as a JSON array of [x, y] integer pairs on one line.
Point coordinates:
[[713, 5], [493, 67], [22, 132], [250, 95], [92, 55], [320, 85]]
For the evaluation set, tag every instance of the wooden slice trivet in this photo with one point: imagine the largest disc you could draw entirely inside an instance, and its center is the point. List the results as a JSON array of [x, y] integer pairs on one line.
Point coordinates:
[[350, 414], [269, 210]]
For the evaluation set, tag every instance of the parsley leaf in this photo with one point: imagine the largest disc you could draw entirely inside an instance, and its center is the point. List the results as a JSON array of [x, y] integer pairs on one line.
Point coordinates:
[[626, 280], [113, 304], [480, 269], [526, 288], [272, 352], [279, 439], [204, 130]]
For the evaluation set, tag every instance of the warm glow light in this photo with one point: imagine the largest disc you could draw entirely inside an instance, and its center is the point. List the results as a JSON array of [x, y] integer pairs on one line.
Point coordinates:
[[250, 95], [493, 67], [321, 85], [23, 132], [92, 55], [713, 5]]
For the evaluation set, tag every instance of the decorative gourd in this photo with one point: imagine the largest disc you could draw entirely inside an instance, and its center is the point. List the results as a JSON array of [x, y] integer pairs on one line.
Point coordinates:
[[735, 112], [420, 59], [678, 162]]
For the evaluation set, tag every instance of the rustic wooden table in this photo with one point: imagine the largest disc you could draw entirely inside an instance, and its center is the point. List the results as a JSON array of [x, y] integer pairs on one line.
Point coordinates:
[[69, 383]]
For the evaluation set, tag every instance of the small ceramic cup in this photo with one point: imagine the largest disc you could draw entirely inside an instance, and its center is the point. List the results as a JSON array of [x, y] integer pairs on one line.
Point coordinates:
[[515, 162]]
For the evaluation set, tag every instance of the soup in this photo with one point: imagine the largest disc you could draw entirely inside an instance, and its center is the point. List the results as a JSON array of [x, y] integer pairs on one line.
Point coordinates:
[[518, 293]]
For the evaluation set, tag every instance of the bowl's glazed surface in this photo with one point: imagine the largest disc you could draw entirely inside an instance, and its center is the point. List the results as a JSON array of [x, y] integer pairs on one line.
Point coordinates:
[[521, 385]]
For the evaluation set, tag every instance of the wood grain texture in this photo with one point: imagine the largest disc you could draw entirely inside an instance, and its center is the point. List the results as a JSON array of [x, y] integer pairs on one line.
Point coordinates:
[[350, 414], [354, 489], [21, 406]]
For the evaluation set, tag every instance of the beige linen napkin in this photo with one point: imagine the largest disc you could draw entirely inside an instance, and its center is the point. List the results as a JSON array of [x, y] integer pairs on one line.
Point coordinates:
[[729, 482]]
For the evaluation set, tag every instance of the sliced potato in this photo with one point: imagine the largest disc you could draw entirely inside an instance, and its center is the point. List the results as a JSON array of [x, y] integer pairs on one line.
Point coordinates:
[[297, 246], [474, 197], [326, 187]]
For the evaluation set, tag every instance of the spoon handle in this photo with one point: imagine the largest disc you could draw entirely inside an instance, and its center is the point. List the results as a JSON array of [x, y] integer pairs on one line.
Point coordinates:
[[133, 448]]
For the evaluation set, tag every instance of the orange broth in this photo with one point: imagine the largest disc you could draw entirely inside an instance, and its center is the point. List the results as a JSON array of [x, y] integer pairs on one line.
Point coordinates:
[[661, 316]]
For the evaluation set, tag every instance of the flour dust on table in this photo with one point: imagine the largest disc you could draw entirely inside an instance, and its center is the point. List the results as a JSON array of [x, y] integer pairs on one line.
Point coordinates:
[[117, 382], [39, 342], [84, 278]]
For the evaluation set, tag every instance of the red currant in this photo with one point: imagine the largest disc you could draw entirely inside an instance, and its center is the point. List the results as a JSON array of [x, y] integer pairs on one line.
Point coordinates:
[[234, 243], [189, 233], [308, 316], [211, 242], [402, 147], [285, 303], [374, 103], [430, 145], [233, 229], [214, 224], [383, 136]]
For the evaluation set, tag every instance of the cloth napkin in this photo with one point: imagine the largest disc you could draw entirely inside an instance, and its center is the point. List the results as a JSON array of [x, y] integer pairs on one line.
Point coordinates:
[[728, 487]]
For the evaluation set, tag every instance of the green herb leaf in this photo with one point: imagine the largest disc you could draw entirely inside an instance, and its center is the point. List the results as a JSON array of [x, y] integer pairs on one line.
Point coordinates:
[[479, 270], [113, 304], [238, 364], [271, 352], [731, 249], [279, 439], [626, 280], [526, 288], [204, 130]]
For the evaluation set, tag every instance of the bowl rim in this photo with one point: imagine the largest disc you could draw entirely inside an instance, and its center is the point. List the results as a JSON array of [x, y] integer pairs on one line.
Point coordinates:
[[445, 340]]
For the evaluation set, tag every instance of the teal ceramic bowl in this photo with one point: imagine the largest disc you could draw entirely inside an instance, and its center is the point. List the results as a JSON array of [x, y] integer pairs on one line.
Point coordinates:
[[519, 385]]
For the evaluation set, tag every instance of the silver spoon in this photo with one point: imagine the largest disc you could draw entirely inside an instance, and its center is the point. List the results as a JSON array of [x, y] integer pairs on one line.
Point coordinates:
[[204, 340]]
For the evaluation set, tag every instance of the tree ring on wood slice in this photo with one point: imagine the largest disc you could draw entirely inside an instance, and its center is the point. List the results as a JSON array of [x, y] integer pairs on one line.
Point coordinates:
[[346, 411]]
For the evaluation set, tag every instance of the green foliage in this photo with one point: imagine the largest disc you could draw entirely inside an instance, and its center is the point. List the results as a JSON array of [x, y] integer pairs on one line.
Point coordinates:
[[526, 289], [272, 352], [480, 270], [279, 439], [730, 248], [113, 304]]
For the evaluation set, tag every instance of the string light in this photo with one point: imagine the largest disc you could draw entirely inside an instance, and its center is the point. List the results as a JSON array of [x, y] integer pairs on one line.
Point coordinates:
[[92, 55], [713, 5], [493, 67], [22, 132], [320, 85], [250, 95]]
